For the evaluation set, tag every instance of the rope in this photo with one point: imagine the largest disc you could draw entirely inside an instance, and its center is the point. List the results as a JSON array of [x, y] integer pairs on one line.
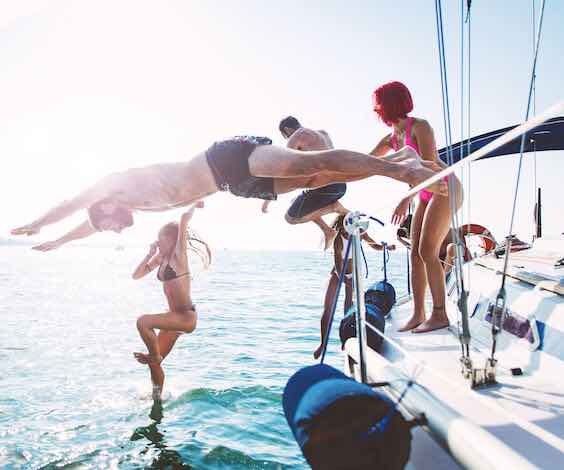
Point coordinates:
[[335, 300], [408, 255], [375, 219], [386, 258], [365, 262], [383, 423]]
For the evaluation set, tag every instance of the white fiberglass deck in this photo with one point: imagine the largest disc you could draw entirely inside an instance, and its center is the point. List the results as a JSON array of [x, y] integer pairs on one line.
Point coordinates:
[[525, 412]]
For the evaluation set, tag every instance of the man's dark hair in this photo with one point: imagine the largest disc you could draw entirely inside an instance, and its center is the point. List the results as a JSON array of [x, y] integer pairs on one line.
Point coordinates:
[[106, 208], [290, 122]]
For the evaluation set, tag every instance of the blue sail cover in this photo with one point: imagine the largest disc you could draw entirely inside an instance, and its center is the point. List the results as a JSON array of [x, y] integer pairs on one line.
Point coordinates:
[[547, 136]]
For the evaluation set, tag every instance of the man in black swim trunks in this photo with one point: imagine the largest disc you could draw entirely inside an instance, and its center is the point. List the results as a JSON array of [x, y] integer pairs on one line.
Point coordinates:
[[246, 166], [312, 204]]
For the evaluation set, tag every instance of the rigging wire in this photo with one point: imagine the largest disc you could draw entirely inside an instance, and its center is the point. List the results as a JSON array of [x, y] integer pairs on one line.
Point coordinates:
[[468, 130], [522, 149], [499, 308], [462, 304], [535, 185]]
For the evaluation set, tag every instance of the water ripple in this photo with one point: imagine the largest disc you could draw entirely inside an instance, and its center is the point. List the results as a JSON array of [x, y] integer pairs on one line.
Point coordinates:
[[73, 397]]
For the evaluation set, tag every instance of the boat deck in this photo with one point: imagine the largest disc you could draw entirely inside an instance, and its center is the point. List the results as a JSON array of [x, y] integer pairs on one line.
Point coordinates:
[[526, 412]]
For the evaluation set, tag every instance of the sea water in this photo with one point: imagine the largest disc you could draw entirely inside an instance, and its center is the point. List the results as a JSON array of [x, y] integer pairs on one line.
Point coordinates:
[[72, 395]]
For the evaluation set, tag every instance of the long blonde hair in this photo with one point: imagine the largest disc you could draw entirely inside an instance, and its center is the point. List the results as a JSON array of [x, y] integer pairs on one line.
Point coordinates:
[[199, 247], [195, 243]]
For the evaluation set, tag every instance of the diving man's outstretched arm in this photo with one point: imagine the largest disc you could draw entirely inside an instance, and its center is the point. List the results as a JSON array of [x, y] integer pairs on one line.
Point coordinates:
[[82, 231], [65, 209]]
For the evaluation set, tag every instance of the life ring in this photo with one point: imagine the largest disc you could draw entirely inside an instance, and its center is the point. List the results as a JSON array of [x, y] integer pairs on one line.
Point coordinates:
[[488, 240]]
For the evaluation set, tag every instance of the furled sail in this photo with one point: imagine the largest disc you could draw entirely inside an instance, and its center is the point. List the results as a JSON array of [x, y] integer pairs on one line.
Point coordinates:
[[547, 136]]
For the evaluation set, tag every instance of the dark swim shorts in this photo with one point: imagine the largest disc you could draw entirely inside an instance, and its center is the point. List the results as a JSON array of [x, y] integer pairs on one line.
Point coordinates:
[[315, 199], [229, 163]]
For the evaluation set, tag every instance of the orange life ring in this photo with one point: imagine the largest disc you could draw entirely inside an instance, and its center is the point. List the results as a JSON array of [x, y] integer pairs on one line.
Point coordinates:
[[488, 240]]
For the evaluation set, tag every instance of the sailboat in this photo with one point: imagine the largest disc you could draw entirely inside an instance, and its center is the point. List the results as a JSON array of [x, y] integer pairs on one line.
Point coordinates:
[[485, 407], [489, 386], [486, 392]]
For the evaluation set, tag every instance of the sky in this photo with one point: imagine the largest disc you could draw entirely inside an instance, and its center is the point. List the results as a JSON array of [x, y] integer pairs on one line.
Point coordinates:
[[88, 88]]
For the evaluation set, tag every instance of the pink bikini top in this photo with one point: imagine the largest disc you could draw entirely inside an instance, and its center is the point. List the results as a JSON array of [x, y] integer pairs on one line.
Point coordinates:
[[408, 141], [424, 194]]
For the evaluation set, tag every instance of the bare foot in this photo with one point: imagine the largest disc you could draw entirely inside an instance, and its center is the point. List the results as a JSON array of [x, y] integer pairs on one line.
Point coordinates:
[[413, 322], [405, 153], [46, 246], [438, 187], [329, 238], [431, 324], [141, 357], [318, 352], [438, 320], [420, 171]]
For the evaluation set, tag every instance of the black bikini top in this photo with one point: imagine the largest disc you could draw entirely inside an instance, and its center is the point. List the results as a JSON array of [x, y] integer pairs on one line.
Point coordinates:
[[169, 274]]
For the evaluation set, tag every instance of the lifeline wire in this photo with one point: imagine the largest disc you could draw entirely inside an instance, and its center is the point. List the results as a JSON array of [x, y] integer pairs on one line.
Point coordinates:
[[335, 300]]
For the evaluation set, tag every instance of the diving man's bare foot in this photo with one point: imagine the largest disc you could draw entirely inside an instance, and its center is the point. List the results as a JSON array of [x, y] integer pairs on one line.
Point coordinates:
[[419, 170], [402, 155]]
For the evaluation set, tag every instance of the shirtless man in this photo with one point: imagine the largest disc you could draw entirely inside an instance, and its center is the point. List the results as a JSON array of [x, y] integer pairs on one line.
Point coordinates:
[[311, 205], [246, 166]]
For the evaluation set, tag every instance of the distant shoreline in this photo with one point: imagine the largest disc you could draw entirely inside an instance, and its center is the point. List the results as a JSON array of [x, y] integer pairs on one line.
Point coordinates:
[[14, 241], [25, 242]]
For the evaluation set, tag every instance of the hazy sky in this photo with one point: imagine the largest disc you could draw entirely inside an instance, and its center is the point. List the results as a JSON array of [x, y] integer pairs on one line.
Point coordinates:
[[88, 88]]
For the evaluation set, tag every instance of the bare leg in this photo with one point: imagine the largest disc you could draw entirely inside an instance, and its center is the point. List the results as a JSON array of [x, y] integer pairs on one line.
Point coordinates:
[[329, 299], [418, 274], [166, 340], [279, 162], [434, 229], [449, 259], [348, 294], [172, 321], [329, 233]]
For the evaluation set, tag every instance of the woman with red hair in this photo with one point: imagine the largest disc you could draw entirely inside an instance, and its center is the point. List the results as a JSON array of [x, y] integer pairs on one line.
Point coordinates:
[[392, 102]]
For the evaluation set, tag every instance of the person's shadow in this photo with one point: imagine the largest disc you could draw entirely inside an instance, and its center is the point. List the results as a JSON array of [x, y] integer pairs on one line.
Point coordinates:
[[166, 458]]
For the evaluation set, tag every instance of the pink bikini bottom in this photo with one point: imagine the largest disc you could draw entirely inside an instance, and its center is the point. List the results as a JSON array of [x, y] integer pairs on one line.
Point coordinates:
[[425, 195]]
